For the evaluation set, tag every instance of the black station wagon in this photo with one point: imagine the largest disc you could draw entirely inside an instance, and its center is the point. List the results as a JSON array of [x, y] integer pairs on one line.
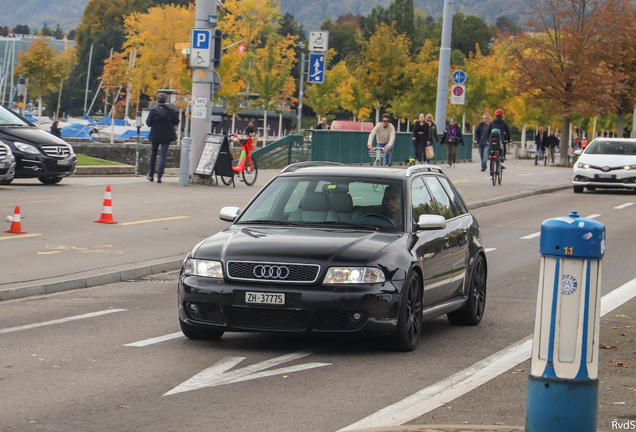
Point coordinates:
[[327, 248]]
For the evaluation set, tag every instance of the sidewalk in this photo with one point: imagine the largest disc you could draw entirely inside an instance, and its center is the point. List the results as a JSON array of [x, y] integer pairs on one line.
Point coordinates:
[[135, 198], [443, 428]]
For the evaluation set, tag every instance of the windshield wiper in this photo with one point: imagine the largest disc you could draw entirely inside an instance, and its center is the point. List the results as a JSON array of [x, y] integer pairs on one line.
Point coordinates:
[[271, 222], [345, 225]]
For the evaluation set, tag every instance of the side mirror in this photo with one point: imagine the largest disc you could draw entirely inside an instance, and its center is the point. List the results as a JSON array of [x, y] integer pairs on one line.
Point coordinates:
[[229, 214], [578, 152], [431, 222]]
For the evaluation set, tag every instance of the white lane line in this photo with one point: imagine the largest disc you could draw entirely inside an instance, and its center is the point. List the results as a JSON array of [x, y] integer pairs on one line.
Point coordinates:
[[623, 206], [60, 321], [432, 397], [530, 236], [489, 249], [155, 340], [592, 216]]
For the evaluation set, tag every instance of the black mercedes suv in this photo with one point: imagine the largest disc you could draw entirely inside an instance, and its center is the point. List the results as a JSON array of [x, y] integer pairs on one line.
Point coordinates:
[[336, 249], [38, 154]]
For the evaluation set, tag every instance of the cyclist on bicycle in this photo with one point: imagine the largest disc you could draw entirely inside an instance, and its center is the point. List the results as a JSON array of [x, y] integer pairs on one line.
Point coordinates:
[[502, 125], [495, 147]]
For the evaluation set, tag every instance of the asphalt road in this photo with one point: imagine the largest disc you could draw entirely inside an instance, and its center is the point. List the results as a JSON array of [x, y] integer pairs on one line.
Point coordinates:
[[81, 375]]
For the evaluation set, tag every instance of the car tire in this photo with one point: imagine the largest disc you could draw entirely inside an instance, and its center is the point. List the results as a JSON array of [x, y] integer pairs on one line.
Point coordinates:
[[50, 180], [409, 326], [197, 333], [590, 188], [8, 181], [578, 189], [473, 310]]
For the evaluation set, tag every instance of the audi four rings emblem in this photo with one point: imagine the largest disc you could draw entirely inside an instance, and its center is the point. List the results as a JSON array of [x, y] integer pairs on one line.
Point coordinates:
[[271, 272]]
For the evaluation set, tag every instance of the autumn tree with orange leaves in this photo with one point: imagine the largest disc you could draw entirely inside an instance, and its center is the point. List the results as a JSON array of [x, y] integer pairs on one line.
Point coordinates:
[[565, 60]]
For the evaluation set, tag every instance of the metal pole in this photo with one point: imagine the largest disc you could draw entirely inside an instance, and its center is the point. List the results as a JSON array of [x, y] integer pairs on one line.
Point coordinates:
[[444, 66], [300, 95], [88, 76], [201, 91]]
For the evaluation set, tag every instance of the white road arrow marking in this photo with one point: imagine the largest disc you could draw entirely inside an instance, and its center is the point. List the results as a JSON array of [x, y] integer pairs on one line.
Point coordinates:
[[218, 375]]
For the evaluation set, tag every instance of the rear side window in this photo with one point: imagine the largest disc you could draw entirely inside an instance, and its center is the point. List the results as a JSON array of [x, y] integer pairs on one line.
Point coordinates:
[[443, 201], [460, 207], [421, 200]]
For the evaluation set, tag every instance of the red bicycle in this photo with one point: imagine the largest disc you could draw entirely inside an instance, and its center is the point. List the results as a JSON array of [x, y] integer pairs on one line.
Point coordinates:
[[246, 165]]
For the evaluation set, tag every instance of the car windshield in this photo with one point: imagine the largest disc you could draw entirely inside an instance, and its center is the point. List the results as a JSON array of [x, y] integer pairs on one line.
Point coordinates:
[[347, 202], [7, 117], [612, 148]]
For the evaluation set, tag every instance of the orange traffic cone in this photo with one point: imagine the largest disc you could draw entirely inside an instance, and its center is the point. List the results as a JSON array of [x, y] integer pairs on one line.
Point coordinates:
[[107, 213], [16, 225]]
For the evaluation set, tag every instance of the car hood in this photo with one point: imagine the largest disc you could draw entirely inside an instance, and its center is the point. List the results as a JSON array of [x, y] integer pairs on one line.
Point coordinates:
[[295, 245], [607, 160], [29, 135]]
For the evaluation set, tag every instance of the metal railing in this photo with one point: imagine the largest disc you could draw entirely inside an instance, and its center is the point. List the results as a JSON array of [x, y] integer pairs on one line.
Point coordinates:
[[283, 152]]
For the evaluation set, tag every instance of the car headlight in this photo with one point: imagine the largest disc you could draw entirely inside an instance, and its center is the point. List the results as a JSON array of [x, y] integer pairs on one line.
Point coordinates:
[[27, 148], [582, 165], [630, 167], [354, 275], [195, 267]]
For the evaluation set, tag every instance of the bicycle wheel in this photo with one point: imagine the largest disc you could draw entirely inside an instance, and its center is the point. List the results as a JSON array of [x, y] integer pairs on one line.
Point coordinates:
[[227, 180], [494, 170], [500, 175], [250, 172]]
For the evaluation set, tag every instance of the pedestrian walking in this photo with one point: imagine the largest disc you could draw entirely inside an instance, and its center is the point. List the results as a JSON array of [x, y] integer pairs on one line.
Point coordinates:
[[55, 131], [584, 142], [249, 130], [481, 133], [384, 132], [161, 120], [433, 138], [452, 137], [553, 143], [420, 138], [323, 124], [540, 142]]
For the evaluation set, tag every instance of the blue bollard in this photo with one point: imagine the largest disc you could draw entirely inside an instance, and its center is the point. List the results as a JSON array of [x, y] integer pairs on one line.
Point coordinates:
[[563, 382]]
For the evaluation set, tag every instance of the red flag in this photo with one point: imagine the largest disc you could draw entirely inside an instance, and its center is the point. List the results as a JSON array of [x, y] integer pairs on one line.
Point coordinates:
[[241, 48]]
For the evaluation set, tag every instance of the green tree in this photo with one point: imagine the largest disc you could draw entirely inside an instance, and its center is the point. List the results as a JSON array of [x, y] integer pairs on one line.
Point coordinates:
[[385, 58], [39, 67], [469, 31], [58, 33], [507, 25], [46, 31]]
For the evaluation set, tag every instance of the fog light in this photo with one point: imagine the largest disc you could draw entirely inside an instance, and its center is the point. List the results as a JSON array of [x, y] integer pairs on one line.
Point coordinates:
[[193, 307], [356, 316]]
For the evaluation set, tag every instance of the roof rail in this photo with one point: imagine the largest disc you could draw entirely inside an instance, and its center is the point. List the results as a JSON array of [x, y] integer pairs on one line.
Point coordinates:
[[297, 165], [423, 168]]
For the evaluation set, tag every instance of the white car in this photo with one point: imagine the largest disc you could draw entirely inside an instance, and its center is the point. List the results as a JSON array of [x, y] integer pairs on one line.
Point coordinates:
[[606, 163]]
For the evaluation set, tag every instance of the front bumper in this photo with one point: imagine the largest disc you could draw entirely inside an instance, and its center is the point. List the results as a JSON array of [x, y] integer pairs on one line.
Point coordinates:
[[220, 305], [616, 178], [7, 169], [30, 166]]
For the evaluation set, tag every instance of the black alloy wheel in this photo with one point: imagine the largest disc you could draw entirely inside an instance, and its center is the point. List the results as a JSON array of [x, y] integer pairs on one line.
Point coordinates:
[[473, 310], [50, 180], [199, 334], [409, 325]]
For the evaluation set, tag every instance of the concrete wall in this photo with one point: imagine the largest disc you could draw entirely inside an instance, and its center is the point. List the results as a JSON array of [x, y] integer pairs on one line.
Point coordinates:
[[125, 153]]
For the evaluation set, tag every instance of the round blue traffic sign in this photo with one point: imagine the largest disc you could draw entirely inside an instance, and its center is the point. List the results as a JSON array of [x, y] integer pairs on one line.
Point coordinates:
[[459, 77]]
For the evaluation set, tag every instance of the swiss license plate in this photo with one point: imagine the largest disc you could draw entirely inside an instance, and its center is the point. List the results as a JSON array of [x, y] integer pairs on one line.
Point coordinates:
[[64, 162], [606, 176], [264, 298]]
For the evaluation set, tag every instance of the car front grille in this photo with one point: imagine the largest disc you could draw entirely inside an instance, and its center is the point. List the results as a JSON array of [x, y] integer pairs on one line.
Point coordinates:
[[56, 151], [273, 272], [3, 152], [206, 312], [254, 318]]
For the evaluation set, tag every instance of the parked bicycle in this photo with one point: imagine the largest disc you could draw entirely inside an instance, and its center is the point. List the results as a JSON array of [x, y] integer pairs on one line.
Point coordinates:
[[246, 164]]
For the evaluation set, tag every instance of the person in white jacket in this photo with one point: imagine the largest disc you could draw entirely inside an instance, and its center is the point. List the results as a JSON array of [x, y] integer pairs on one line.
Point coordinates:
[[384, 133]]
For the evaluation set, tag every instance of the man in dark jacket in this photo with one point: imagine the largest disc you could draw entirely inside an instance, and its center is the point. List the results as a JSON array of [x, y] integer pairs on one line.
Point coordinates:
[[481, 133], [541, 142], [162, 120]]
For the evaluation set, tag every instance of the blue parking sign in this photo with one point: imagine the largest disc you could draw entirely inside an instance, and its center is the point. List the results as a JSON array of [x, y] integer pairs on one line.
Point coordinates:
[[316, 68], [200, 52]]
